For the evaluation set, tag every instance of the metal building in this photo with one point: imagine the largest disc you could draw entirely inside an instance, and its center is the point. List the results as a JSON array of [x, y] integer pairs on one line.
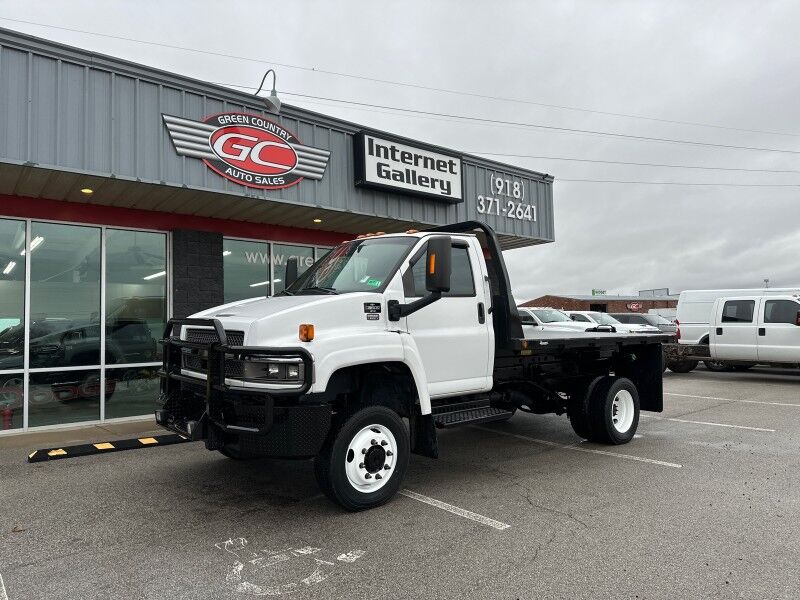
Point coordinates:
[[129, 194]]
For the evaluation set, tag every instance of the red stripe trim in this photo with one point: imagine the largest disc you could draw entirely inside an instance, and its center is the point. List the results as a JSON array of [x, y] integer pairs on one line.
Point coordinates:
[[38, 208]]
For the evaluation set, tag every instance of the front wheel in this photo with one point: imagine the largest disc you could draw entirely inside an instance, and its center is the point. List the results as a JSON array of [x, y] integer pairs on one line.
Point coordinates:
[[363, 463], [614, 412]]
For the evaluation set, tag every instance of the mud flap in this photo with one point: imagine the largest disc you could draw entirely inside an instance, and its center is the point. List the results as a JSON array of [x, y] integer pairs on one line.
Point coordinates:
[[423, 436]]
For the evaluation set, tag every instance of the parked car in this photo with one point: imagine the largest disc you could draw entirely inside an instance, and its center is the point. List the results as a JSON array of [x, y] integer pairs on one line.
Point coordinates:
[[745, 330], [662, 324], [64, 342], [548, 319], [593, 319]]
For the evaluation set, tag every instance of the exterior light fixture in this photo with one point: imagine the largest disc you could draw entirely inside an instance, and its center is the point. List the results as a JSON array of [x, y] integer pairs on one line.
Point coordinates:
[[272, 102], [155, 275], [260, 283], [9, 267], [87, 191], [317, 220]]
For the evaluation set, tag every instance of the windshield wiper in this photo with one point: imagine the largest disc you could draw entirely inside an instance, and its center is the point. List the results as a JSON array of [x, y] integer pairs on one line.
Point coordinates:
[[318, 289], [285, 293]]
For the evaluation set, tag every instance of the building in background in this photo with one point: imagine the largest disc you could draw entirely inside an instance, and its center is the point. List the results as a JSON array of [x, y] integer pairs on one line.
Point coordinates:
[[606, 303], [129, 195]]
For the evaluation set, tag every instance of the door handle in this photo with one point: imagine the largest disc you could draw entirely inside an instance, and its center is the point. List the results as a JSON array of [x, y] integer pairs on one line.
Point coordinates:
[[719, 330], [762, 331], [481, 313]]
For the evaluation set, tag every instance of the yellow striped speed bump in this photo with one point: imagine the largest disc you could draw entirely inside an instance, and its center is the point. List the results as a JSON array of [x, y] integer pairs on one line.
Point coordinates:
[[105, 447]]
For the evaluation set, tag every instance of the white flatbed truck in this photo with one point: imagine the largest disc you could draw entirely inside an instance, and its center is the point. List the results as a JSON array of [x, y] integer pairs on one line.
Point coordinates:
[[420, 326]]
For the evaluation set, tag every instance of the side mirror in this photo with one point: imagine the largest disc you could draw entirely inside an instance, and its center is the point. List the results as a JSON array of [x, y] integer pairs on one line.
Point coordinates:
[[291, 272], [438, 264]]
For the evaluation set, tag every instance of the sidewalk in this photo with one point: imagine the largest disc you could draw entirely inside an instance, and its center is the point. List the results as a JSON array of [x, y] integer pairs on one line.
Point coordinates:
[[82, 434]]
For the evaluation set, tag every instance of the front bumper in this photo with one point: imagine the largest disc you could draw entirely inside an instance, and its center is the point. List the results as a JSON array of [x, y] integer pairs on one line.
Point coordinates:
[[266, 420]]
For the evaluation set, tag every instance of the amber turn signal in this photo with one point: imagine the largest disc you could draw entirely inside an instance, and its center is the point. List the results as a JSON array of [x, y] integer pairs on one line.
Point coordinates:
[[306, 332]]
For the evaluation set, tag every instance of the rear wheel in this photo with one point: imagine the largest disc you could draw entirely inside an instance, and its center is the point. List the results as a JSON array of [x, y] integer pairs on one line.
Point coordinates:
[[614, 411], [363, 463], [682, 366]]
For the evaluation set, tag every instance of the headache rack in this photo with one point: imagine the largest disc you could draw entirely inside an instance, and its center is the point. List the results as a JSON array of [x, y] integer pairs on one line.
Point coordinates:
[[212, 358]]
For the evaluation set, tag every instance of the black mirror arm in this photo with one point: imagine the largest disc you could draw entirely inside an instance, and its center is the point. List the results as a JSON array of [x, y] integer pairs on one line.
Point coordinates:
[[397, 310]]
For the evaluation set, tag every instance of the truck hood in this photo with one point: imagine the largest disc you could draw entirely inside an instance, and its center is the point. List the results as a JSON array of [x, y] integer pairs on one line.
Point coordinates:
[[274, 321]]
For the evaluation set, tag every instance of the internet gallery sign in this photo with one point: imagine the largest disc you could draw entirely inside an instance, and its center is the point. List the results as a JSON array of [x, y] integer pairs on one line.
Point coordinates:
[[387, 164]]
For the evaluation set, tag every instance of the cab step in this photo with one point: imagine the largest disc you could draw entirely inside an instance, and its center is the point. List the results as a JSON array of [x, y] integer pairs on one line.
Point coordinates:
[[463, 414]]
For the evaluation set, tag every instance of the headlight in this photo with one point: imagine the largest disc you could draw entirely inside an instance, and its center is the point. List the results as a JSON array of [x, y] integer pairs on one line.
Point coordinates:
[[273, 369]]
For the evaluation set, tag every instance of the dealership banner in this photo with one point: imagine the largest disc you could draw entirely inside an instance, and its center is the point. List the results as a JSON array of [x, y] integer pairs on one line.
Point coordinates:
[[388, 164], [247, 149]]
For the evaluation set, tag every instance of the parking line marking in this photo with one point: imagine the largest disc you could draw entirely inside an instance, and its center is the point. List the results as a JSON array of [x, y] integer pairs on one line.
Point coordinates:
[[709, 423], [3, 595], [461, 512], [732, 400], [651, 461]]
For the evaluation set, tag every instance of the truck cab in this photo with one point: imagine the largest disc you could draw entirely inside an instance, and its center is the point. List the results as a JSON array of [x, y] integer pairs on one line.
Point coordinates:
[[756, 329]]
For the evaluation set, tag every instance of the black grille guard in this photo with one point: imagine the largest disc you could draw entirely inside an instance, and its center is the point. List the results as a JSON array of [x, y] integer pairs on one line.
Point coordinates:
[[215, 354]]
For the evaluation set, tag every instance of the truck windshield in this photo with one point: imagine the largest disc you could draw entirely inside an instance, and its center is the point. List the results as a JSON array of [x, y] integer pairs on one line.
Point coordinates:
[[550, 315], [603, 318], [358, 266]]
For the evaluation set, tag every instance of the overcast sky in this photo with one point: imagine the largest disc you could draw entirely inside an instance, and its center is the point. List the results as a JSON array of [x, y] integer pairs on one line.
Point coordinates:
[[732, 64]]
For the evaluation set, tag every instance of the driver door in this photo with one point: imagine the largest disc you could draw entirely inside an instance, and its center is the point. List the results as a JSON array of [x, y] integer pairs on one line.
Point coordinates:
[[452, 335]]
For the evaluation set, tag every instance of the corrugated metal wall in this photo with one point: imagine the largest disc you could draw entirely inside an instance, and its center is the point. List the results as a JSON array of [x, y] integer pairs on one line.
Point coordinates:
[[66, 109]]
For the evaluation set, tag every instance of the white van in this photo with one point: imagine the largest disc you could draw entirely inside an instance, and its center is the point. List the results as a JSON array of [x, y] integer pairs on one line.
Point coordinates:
[[741, 330], [695, 310], [758, 329]]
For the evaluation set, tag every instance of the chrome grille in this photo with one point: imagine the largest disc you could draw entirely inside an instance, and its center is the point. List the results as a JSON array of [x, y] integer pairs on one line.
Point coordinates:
[[233, 368]]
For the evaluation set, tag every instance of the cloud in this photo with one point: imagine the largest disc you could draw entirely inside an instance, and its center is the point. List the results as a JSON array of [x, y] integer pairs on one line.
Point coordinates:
[[733, 64]]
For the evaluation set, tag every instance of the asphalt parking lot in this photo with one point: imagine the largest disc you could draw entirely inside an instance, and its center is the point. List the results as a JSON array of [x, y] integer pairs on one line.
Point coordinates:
[[704, 503]]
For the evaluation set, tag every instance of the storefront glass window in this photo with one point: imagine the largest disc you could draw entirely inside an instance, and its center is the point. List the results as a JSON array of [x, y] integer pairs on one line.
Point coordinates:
[[12, 408], [321, 252], [246, 269], [130, 391], [65, 295], [12, 294], [281, 253], [69, 396], [136, 295]]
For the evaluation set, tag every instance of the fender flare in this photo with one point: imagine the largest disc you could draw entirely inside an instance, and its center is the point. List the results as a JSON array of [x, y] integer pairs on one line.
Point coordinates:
[[405, 355]]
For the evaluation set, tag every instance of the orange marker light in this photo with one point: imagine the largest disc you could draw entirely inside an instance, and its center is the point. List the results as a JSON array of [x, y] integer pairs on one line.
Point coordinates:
[[432, 264], [306, 332]]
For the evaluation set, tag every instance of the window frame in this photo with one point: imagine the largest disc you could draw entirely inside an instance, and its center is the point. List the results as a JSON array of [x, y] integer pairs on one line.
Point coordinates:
[[408, 275], [791, 322], [27, 370], [734, 320], [270, 267]]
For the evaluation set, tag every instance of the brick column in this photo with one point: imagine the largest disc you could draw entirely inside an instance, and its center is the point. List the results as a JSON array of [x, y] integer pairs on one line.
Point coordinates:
[[197, 277]]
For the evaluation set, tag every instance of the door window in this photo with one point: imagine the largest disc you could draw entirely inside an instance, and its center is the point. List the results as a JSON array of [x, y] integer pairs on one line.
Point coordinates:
[[461, 280], [738, 311], [781, 311]]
